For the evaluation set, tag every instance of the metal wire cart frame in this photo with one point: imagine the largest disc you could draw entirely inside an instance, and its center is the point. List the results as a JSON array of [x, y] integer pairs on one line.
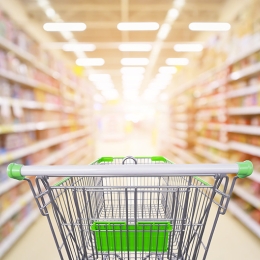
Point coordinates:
[[132, 208]]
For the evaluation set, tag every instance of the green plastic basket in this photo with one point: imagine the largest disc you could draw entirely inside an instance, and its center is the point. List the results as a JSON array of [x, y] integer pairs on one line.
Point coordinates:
[[144, 236]]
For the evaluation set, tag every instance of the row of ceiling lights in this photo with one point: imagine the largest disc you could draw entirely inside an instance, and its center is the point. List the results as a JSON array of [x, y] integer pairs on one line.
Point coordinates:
[[130, 83], [135, 47], [135, 26]]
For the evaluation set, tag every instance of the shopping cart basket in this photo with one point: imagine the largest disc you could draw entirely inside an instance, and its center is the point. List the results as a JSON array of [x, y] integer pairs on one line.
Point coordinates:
[[132, 208]]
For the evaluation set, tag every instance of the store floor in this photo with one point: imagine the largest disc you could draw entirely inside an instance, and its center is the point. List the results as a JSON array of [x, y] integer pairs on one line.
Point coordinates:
[[231, 241]]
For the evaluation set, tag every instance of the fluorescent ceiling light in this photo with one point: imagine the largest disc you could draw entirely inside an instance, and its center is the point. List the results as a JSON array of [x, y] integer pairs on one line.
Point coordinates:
[[50, 12], [179, 3], [167, 70], [177, 61], [135, 47], [156, 85], [138, 77], [164, 97], [90, 62], [103, 82], [43, 3], [209, 27], [67, 35], [134, 61], [159, 87], [78, 47], [160, 76], [152, 92], [173, 13], [105, 87], [110, 94], [150, 26], [97, 77], [61, 27], [132, 84], [132, 70], [164, 31], [131, 87], [131, 91], [98, 98], [188, 47]]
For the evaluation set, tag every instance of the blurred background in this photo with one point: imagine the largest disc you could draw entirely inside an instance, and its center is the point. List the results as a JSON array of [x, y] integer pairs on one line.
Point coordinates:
[[177, 78]]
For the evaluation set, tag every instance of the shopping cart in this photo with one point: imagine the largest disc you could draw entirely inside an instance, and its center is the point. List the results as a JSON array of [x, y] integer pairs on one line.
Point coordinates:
[[132, 208]]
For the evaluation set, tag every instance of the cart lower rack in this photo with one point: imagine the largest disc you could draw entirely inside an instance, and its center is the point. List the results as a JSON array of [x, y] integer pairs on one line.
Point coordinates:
[[132, 208]]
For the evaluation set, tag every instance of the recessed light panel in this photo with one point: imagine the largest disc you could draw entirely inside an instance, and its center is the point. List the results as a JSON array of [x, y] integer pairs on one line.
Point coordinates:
[[90, 62], [146, 26], [134, 61], [188, 47], [61, 27], [177, 61], [135, 47], [78, 47]]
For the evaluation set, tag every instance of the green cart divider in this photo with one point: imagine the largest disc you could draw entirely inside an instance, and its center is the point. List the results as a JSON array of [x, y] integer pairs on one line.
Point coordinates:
[[144, 236]]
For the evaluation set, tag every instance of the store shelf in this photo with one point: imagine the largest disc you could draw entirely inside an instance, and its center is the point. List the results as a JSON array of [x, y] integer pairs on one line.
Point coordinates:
[[243, 55], [244, 218], [178, 141], [20, 203], [247, 196], [181, 117], [178, 160], [213, 143], [17, 128], [211, 126], [15, 207], [19, 230], [244, 129], [62, 153], [181, 108], [19, 153], [211, 157], [184, 155], [85, 160], [211, 101], [180, 134], [180, 126], [242, 92], [255, 176], [7, 185], [23, 80], [245, 148], [248, 71], [254, 110], [30, 104], [10, 183], [81, 156], [24, 55]]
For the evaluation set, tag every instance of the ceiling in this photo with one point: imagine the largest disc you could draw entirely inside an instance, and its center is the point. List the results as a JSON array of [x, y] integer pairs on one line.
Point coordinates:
[[102, 17]]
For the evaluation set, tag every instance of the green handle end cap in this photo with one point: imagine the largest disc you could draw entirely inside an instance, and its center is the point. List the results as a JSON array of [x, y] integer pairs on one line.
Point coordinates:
[[246, 168], [14, 171]]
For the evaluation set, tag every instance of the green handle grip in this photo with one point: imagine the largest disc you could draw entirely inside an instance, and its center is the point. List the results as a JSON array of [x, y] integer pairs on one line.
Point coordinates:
[[246, 168], [14, 171]]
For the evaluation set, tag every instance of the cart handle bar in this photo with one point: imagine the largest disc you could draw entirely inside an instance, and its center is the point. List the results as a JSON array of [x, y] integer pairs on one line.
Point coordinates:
[[242, 169]]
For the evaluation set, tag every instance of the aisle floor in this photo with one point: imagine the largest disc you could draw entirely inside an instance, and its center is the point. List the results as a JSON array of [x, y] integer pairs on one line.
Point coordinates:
[[231, 241]]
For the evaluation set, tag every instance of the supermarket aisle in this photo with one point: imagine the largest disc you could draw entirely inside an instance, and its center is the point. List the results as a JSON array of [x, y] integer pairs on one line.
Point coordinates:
[[231, 240]]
